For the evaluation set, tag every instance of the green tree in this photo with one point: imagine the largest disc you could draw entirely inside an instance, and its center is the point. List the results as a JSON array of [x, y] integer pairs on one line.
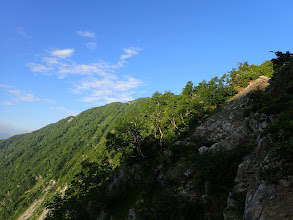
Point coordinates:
[[215, 92], [246, 73]]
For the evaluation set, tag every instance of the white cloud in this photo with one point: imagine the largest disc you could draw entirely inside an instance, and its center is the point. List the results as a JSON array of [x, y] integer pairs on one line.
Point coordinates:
[[90, 99], [95, 84], [5, 86], [8, 103], [35, 67], [107, 90], [63, 68], [50, 60], [102, 85], [28, 98], [23, 96], [62, 53], [18, 95], [130, 83], [91, 45], [16, 91], [86, 34], [101, 93], [129, 52], [48, 100], [22, 32]]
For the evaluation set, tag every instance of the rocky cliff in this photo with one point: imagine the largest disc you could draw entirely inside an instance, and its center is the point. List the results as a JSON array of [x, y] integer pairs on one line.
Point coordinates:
[[266, 193]]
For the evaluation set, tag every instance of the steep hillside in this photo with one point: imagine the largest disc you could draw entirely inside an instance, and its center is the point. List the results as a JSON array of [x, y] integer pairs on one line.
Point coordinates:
[[45, 160], [236, 164], [203, 154], [170, 166]]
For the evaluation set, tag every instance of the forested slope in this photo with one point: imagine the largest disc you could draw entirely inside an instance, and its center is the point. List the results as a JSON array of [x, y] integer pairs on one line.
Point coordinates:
[[55, 152], [138, 159], [161, 172]]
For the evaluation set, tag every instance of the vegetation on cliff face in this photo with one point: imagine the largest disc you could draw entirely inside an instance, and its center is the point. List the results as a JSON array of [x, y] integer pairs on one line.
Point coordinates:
[[277, 100], [126, 156]]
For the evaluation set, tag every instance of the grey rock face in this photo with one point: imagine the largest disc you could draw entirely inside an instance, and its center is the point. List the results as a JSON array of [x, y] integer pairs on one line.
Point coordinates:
[[132, 214], [226, 128], [187, 193], [203, 149], [188, 172], [229, 127], [253, 203]]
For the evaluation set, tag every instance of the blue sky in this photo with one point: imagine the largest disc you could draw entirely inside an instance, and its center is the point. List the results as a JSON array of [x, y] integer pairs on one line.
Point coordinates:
[[59, 58]]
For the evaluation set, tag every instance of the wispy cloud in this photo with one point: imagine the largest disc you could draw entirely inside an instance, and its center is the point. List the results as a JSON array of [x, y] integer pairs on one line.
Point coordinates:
[[5, 86], [23, 96], [18, 95], [104, 91], [129, 52], [101, 84], [86, 34], [50, 60], [68, 67], [94, 84], [62, 53], [22, 32], [62, 68], [91, 45], [39, 68], [49, 100], [8, 103]]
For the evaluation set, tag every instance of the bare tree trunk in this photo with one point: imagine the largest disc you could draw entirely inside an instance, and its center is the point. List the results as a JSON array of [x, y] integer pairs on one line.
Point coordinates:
[[139, 150], [183, 120], [161, 139], [173, 122]]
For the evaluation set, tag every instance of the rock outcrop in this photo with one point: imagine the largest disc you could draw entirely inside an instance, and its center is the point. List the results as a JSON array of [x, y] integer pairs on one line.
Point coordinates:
[[260, 191], [229, 127], [265, 197]]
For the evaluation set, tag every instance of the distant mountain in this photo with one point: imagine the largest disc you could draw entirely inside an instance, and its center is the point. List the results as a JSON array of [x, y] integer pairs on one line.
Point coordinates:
[[7, 130], [5, 136]]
